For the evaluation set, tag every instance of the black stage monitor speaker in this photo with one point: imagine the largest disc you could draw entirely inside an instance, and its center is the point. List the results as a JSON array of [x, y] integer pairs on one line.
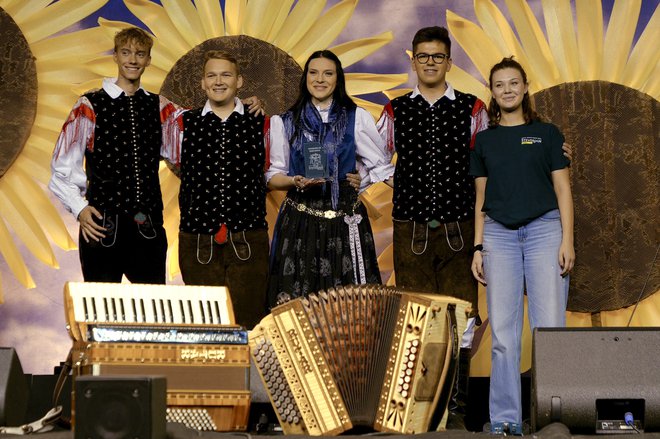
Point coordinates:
[[14, 392], [115, 407], [598, 380]]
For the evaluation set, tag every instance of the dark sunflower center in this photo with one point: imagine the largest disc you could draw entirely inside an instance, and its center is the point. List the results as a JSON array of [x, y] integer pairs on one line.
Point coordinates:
[[614, 176], [18, 91], [268, 72]]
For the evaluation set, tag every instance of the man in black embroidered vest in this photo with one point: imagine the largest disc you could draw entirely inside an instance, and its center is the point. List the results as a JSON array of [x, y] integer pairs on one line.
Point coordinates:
[[116, 195], [432, 130], [223, 238]]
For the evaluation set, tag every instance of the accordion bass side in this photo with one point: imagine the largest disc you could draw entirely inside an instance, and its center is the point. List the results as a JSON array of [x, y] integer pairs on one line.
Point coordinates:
[[360, 356]]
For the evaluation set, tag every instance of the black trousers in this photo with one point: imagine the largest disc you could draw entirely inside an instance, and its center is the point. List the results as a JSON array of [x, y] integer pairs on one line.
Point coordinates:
[[138, 253], [436, 260], [240, 264]]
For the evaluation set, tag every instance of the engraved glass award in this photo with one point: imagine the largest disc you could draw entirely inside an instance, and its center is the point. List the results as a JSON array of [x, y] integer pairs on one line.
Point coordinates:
[[316, 161]]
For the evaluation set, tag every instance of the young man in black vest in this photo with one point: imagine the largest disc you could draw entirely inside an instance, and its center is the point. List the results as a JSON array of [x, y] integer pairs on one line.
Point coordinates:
[[432, 130], [223, 237], [115, 194]]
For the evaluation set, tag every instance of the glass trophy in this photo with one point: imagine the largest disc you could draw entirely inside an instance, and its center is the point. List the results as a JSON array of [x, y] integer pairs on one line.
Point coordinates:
[[316, 161]]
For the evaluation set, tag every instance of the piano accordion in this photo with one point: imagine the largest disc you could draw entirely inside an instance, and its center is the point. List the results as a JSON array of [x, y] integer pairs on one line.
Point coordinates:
[[185, 333], [360, 356]]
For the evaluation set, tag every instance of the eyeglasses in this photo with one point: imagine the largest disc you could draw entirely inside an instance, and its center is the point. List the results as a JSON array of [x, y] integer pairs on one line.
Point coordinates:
[[438, 58]]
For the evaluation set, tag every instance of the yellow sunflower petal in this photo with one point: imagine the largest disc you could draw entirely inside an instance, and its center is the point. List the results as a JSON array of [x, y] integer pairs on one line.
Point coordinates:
[[20, 10], [481, 50], [86, 86], [645, 55], [652, 85], [324, 31], [589, 15], [299, 21], [536, 47], [559, 27], [374, 109], [498, 29], [234, 15], [283, 12], [160, 24], [103, 66], [44, 146], [210, 15], [259, 18], [173, 260], [34, 162], [13, 258], [57, 16], [372, 211], [70, 46], [362, 83], [395, 93], [153, 79], [618, 39], [41, 208], [184, 17], [57, 96], [24, 224], [647, 311], [169, 184], [353, 51], [463, 81], [72, 73], [379, 194], [386, 259]]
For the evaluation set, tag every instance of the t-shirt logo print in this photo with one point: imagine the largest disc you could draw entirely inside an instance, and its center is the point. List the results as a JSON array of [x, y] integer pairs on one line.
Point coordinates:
[[530, 140]]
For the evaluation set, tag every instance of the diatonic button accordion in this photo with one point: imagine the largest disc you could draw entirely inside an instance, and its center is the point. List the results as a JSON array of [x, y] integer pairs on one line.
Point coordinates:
[[360, 356]]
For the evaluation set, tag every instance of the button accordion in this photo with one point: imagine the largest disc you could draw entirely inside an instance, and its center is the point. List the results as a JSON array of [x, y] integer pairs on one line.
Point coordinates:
[[185, 333], [360, 356]]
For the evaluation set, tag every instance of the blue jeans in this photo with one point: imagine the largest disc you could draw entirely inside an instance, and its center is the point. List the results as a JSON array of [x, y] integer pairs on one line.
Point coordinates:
[[515, 259]]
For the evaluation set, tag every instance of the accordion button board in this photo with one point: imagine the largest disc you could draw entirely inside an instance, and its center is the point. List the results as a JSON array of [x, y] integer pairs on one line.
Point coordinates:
[[360, 356]]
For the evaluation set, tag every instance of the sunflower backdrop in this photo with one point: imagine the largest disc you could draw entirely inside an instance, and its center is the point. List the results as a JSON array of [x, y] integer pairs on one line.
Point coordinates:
[[47, 62]]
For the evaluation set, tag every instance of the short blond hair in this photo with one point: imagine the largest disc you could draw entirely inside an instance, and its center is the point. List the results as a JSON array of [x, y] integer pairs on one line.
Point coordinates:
[[220, 54], [134, 35]]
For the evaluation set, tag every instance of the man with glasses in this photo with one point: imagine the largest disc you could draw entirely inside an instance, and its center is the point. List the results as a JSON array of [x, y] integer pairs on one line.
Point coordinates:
[[432, 130]]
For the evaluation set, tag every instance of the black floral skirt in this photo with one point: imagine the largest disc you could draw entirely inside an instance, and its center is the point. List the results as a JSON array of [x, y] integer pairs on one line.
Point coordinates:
[[313, 247]]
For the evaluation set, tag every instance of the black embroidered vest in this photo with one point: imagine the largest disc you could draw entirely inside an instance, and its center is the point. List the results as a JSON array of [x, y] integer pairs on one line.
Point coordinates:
[[431, 181], [222, 173], [122, 169]]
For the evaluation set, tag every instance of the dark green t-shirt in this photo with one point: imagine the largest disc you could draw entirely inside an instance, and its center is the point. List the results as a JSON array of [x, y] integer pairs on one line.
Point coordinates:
[[518, 162]]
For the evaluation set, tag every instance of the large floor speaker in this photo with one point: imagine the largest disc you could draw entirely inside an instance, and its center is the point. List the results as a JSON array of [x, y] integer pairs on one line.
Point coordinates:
[[114, 407], [14, 392], [596, 379]]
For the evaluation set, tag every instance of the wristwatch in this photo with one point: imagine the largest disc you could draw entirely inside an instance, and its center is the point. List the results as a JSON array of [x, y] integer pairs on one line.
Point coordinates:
[[478, 248]]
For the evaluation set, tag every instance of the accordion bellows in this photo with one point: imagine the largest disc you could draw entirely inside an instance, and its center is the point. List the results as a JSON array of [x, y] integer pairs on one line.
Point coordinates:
[[360, 356]]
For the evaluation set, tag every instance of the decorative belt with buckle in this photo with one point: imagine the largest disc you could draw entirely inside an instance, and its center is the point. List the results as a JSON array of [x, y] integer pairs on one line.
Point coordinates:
[[327, 214]]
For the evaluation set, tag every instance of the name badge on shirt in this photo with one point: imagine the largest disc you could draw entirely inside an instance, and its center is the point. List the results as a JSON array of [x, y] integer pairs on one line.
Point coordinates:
[[316, 161]]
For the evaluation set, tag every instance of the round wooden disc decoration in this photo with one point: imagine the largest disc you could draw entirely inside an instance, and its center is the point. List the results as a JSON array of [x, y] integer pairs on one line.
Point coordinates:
[[268, 73], [615, 171], [18, 91]]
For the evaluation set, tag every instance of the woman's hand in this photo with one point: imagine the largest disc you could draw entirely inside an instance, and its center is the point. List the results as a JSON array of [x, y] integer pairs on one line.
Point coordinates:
[[301, 183], [354, 180], [566, 258], [478, 267]]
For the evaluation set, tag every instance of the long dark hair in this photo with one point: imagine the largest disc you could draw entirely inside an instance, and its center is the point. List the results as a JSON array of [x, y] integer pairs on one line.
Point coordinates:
[[494, 111], [339, 96]]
